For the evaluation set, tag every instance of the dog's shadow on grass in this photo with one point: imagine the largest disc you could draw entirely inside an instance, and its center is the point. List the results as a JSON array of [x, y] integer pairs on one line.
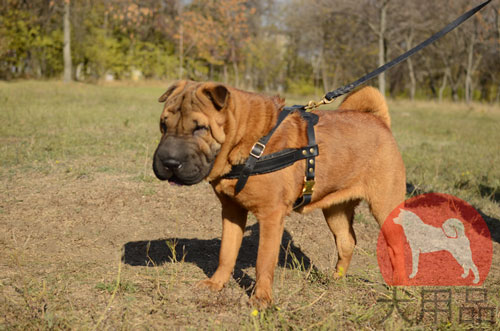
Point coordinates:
[[205, 254]]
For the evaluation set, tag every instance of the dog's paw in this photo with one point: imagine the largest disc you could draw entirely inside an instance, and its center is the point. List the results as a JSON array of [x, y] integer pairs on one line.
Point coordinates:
[[210, 284], [339, 273], [261, 298]]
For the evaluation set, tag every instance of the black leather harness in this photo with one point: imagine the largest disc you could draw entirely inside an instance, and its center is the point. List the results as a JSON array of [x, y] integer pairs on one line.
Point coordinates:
[[257, 164]]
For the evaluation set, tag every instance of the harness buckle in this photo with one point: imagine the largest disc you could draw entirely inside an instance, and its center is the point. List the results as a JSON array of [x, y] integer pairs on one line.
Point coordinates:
[[257, 150], [308, 186]]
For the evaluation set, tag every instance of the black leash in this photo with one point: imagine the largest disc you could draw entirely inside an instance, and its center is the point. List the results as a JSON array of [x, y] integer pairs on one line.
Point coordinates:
[[257, 164], [330, 96]]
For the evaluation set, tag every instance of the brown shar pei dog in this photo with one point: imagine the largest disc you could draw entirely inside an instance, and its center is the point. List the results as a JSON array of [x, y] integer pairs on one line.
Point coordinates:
[[208, 127]]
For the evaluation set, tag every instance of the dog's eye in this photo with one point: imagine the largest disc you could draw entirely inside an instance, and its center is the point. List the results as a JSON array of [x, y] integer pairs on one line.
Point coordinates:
[[163, 127], [199, 129]]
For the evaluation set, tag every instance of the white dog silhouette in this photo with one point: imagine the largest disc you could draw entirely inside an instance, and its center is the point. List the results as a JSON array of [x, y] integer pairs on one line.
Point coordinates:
[[425, 238]]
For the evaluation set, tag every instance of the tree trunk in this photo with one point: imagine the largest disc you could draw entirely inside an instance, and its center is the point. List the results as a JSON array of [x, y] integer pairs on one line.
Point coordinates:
[[469, 69], [443, 85], [454, 92], [336, 74], [411, 69], [181, 52], [235, 67], [68, 68], [413, 80], [181, 41], [225, 73], [236, 74], [316, 68], [324, 74], [497, 13], [381, 44], [248, 75]]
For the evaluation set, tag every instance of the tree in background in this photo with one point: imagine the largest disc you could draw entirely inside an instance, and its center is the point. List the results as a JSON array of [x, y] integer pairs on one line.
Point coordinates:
[[218, 30], [298, 46], [68, 64], [31, 39]]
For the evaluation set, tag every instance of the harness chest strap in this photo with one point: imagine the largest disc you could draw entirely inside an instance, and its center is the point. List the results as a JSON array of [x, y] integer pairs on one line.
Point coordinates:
[[257, 164], [309, 181]]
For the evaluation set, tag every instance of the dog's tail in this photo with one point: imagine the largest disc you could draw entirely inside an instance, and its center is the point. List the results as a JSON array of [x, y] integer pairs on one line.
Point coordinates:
[[370, 100], [453, 228]]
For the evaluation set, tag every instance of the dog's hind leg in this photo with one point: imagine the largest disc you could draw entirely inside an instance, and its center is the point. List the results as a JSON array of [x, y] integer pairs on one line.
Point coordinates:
[[339, 218], [383, 197]]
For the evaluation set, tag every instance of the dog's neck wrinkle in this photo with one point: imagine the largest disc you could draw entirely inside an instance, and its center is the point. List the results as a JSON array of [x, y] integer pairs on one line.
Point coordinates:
[[244, 129], [258, 122], [265, 121]]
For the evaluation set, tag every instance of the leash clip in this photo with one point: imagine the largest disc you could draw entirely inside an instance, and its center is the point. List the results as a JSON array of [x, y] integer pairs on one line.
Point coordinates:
[[313, 104]]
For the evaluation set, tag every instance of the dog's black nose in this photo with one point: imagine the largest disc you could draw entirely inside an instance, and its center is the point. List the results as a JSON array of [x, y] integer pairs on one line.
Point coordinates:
[[172, 164]]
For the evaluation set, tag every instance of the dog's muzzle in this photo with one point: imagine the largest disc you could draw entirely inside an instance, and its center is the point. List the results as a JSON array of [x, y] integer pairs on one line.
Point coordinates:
[[176, 161]]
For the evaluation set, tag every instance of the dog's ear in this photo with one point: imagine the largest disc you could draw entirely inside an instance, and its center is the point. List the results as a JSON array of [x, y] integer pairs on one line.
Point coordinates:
[[218, 95], [167, 93], [279, 102]]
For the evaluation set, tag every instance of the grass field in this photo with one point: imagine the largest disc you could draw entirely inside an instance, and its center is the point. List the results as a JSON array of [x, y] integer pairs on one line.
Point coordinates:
[[89, 239]]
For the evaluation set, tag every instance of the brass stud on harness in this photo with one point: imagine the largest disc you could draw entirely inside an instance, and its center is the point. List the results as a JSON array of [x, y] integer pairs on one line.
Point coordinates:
[[304, 152], [311, 161], [311, 151]]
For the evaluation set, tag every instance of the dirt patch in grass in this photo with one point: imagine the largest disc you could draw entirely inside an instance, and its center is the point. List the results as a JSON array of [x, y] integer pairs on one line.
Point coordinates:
[[63, 240], [66, 241]]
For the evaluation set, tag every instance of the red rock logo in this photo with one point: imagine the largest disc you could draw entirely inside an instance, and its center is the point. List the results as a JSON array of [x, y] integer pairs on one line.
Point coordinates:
[[447, 242]]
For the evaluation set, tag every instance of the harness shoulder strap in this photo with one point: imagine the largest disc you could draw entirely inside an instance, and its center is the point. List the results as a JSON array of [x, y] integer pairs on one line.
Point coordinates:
[[257, 151], [257, 164]]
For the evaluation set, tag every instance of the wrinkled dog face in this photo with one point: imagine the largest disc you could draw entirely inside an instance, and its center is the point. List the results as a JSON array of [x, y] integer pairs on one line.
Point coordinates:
[[192, 131]]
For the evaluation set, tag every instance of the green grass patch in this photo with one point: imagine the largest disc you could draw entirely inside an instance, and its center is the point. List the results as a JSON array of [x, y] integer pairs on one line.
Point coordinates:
[[46, 125], [124, 286], [452, 149]]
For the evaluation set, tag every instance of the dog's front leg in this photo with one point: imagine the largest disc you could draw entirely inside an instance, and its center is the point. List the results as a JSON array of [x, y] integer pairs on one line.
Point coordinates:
[[234, 219], [270, 232]]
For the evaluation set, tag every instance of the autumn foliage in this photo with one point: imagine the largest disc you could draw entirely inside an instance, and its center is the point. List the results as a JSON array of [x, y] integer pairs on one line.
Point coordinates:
[[299, 46]]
